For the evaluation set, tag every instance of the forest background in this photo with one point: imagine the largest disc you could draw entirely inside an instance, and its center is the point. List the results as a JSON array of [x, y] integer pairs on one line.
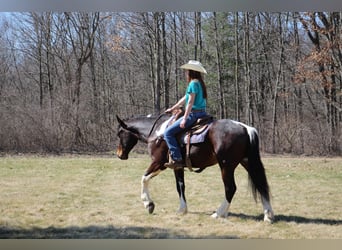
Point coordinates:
[[65, 76]]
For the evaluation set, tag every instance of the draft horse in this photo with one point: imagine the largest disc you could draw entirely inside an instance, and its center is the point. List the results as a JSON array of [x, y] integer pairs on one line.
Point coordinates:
[[228, 143]]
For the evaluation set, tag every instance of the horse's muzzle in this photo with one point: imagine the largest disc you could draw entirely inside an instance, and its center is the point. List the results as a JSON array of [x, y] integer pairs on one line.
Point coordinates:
[[123, 157], [120, 154]]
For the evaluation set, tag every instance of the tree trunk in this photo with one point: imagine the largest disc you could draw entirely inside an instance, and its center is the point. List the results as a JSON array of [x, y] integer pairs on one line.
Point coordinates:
[[298, 89], [277, 83], [156, 57], [219, 70], [247, 72], [236, 69], [198, 37], [176, 57], [165, 65]]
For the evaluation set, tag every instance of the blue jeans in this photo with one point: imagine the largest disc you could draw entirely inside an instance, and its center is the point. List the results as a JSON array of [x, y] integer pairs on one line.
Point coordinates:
[[172, 130]]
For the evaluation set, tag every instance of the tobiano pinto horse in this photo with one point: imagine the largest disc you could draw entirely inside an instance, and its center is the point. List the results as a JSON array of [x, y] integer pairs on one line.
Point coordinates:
[[228, 143]]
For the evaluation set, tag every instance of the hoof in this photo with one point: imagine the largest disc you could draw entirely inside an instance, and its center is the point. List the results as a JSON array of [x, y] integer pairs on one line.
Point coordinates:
[[182, 211], [268, 216], [215, 215], [150, 207]]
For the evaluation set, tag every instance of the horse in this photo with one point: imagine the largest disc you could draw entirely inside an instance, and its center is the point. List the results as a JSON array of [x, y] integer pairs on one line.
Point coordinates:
[[228, 143]]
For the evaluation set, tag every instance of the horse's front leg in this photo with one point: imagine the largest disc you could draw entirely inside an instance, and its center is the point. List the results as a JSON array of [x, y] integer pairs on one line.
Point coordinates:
[[158, 152], [179, 175], [145, 194]]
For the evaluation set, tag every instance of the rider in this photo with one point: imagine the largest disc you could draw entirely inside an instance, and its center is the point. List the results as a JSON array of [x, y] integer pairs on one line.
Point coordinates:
[[195, 107]]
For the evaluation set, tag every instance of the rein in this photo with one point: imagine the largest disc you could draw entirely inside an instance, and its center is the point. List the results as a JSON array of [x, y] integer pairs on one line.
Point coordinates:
[[177, 115], [139, 136], [154, 124]]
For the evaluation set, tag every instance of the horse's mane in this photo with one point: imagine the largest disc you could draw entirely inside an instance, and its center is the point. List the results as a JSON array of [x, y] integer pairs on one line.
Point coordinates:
[[144, 124]]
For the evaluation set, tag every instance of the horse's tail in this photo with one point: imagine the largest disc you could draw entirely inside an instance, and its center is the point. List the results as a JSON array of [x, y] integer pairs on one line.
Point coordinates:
[[256, 171]]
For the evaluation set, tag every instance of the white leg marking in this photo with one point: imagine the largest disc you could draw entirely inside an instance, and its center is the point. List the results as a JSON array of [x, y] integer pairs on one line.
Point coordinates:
[[268, 212], [222, 211], [145, 194], [183, 208]]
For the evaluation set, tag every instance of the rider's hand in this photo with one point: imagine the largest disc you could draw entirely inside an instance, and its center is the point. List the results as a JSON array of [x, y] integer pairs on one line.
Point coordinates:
[[182, 124], [169, 110]]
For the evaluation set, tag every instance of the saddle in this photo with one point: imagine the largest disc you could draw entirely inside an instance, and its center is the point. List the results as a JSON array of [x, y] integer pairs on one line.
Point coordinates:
[[196, 133], [199, 127], [193, 135]]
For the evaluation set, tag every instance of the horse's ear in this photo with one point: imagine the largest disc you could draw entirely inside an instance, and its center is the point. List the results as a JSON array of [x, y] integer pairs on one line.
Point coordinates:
[[121, 122]]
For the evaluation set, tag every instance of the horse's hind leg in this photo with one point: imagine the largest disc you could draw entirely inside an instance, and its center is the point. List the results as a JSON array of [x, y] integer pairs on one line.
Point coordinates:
[[227, 172], [258, 182]]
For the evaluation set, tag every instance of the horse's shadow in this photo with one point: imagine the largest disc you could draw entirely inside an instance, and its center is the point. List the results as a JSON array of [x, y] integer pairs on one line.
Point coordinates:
[[290, 218], [280, 218], [111, 232]]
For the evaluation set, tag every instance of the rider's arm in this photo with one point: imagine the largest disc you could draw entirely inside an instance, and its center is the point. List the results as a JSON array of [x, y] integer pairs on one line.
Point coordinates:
[[188, 108], [180, 103]]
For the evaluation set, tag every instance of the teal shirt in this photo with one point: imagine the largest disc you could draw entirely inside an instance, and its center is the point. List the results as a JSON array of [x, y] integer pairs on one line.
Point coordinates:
[[196, 88]]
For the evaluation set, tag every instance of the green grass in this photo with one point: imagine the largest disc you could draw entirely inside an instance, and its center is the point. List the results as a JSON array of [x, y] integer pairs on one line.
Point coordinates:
[[99, 197]]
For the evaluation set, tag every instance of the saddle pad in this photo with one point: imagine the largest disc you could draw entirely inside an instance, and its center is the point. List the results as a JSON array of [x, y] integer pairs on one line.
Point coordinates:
[[196, 138]]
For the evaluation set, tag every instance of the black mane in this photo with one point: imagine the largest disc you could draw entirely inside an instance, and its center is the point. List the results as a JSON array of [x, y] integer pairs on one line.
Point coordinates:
[[143, 125]]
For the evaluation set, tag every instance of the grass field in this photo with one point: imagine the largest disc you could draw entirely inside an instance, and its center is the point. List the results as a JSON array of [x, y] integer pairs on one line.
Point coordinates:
[[99, 197]]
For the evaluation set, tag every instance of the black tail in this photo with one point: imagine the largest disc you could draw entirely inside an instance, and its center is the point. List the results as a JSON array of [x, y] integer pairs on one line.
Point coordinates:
[[256, 171]]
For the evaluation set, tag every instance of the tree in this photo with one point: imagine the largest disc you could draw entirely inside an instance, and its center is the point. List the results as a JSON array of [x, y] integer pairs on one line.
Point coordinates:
[[247, 71], [324, 31], [219, 68], [81, 30], [66, 75], [236, 67]]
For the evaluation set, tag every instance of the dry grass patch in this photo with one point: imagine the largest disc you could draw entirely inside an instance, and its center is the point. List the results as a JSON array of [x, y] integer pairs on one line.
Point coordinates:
[[99, 197]]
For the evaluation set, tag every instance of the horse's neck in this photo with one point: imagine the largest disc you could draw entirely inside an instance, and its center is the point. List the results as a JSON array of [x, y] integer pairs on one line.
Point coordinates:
[[157, 126], [143, 127]]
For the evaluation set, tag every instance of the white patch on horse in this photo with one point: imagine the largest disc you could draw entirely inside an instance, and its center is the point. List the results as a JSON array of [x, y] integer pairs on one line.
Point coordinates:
[[250, 130], [145, 194], [163, 127], [222, 211], [268, 212], [183, 208]]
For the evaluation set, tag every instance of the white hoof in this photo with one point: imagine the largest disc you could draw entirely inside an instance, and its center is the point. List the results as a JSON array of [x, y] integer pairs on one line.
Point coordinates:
[[268, 216], [216, 215]]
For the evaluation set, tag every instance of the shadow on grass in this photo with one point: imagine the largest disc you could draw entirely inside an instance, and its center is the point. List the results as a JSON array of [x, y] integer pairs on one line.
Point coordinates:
[[290, 218], [99, 232]]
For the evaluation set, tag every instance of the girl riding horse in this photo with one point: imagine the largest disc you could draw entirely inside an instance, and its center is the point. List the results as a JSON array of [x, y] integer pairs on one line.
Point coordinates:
[[195, 107]]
